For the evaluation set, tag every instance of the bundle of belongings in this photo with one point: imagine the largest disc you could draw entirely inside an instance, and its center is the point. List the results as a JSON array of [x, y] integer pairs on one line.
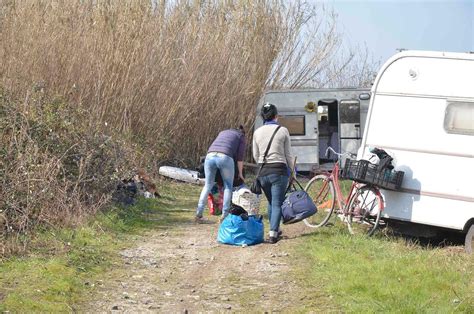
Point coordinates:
[[385, 160], [240, 228], [128, 190], [243, 197]]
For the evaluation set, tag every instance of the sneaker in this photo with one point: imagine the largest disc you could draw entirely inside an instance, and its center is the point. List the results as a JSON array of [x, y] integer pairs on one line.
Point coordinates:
[[199, 220], [274, 236], [273, 240]]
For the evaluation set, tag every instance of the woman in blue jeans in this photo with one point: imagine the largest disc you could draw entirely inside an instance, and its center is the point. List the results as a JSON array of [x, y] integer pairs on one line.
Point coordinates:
[[274, 174], [228, 147]]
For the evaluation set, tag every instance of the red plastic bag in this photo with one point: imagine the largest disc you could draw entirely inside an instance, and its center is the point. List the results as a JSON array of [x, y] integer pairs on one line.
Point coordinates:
[[215, 205]]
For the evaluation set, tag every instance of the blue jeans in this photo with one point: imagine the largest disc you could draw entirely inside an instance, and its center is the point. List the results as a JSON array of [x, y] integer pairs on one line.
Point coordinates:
[[225, 164], [274, 187]]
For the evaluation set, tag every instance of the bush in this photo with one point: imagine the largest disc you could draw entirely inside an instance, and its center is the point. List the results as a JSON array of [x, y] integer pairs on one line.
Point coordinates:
[[54, 169]]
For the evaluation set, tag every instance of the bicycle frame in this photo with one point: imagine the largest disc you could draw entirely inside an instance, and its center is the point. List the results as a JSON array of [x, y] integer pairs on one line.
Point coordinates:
[[357, 206], [340, 199]]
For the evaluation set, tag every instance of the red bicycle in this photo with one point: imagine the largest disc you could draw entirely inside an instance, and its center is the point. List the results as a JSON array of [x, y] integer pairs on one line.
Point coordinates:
[[360, 210]]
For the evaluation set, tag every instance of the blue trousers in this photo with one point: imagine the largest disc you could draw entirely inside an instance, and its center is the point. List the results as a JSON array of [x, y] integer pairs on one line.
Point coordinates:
[[225, 164], [274, 187]]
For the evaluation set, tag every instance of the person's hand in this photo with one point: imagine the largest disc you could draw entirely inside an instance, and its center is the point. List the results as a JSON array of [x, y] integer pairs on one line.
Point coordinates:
[[242, 177], [222, 217]]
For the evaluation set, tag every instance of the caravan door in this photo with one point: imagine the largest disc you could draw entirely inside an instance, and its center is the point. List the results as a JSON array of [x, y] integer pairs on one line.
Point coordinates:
[[349, 127]]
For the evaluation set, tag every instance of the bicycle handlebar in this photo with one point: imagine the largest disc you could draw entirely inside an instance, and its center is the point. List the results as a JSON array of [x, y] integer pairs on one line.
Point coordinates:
[[338, 154]]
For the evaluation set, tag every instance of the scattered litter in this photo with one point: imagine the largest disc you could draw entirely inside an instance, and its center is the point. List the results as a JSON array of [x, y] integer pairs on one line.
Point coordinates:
[[128, 190]]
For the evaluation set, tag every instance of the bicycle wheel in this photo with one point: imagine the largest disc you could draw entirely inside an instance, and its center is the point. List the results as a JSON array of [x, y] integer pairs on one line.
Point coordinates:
[[364, 210], [321, 191]]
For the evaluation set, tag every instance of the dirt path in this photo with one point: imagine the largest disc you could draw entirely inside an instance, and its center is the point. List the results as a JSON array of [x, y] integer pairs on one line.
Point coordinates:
[[184, 270]]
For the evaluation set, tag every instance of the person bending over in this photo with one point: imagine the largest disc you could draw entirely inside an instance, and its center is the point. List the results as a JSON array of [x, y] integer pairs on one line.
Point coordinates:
[[229, 146]]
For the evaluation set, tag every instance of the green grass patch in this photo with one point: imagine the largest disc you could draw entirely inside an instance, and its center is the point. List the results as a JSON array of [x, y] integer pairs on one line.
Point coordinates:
[[62, 265], [382, 274]]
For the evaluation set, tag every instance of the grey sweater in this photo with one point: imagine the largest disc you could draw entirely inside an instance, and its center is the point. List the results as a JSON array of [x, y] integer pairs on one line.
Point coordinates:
[[280, 150]]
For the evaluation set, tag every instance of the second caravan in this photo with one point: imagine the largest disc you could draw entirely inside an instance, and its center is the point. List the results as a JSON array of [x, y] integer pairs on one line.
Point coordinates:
[[318, 118]]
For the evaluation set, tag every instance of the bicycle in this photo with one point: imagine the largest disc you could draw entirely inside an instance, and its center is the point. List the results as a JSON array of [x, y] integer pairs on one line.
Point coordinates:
[[363, 205]]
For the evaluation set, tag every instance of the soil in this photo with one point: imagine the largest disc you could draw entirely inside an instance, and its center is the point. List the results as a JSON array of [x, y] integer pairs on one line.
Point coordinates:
[[184, 270]]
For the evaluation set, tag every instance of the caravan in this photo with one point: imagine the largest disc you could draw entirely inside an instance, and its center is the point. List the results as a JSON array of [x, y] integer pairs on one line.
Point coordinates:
[[318, 118], [422, 112]]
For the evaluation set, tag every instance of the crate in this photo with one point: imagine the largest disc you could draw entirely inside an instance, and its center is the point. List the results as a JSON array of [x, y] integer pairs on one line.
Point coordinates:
[[366, 172], [247, 200]]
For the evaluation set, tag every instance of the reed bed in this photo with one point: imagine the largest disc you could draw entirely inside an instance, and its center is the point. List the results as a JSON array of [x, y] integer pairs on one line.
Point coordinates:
[[157, 79], [172, 72]]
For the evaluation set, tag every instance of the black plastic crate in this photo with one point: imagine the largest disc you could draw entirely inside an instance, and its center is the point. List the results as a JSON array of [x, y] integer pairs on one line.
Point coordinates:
[[355, 170], [365, 172]]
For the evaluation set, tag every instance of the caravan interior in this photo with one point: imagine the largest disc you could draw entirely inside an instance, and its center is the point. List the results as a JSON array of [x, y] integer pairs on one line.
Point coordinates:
[[328, 129]]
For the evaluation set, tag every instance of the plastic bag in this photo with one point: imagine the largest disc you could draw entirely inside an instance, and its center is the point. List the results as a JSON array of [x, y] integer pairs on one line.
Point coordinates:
[[236, 231], [215, 200]]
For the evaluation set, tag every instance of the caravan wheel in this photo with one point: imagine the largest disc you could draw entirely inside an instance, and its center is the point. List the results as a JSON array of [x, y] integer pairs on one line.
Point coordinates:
[[469, 243]]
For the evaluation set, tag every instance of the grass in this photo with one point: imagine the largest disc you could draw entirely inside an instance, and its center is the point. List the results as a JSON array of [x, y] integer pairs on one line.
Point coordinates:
[[382, 274], [62, 268], [336, 271]]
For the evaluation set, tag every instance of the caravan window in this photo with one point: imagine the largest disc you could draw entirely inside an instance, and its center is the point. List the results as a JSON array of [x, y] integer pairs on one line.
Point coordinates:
[[349, 111], [294, 124], [459, 118]]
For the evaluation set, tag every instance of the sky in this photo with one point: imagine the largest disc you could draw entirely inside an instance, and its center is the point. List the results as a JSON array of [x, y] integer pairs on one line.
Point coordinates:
[[387, 25]]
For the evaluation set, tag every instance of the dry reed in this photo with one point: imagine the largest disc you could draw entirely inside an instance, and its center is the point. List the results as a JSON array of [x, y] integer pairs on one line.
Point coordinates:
[[172, 72], [165, 76]]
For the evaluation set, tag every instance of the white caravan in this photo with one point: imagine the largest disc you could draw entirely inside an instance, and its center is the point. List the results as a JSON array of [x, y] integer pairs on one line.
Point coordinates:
[[422, 112], [318, 118]]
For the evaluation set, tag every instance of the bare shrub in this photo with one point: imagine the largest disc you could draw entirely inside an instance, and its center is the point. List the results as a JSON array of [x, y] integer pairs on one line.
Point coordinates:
[[53, 170], [314, 55], [349, 68]]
